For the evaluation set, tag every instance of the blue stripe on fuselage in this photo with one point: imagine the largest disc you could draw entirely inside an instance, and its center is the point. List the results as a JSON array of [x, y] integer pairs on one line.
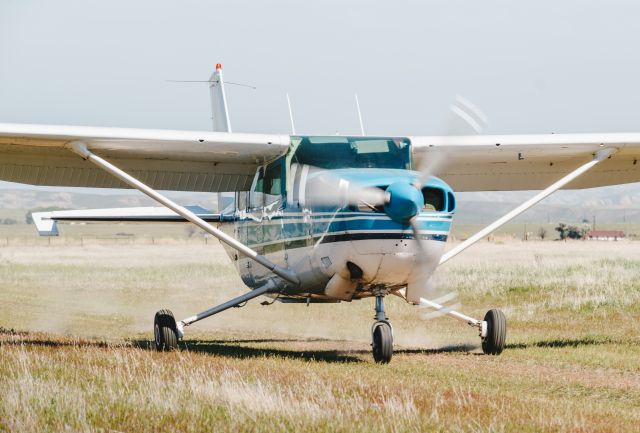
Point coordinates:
[[286, 226], [377, 224], [324, 223]]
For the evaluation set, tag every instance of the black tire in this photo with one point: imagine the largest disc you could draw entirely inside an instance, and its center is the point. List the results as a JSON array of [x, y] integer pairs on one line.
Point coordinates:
[[382, 343], [493, 343], [165, 331]]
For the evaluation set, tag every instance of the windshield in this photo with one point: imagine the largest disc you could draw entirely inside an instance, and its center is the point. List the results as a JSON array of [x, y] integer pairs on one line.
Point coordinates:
[[353, 152]]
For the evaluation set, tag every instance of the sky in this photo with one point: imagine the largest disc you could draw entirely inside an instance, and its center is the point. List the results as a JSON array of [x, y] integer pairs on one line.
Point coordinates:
[[543, 66], [531, 67]]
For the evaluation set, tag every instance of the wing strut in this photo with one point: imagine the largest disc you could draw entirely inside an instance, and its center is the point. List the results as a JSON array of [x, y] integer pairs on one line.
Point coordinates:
[[601, 155], [81, 149], [269, 286]]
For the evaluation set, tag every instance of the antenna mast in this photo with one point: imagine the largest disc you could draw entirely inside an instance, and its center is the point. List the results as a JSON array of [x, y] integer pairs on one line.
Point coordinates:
[[293, 127], [359, 115]]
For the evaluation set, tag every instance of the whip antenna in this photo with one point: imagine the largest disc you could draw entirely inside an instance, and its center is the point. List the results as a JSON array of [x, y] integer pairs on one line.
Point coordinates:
[[293, 127], [210, 82], [359, 115]]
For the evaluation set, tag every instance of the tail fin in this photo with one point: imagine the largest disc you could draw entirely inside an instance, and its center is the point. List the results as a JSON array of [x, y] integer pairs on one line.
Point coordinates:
[[219, 108]]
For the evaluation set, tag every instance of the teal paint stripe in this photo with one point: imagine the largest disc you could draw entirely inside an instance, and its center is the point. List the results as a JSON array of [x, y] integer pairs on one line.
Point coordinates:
[[343, 215], [281, 244], [263, 233]]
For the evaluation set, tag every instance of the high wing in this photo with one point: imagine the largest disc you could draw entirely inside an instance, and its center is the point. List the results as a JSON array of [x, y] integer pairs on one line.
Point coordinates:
[[163, 159], [219, 161], [527, 162]]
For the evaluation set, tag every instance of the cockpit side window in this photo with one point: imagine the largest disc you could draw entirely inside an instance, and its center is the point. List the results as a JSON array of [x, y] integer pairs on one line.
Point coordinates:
[[273, 184], [273, 179], [267, 186]]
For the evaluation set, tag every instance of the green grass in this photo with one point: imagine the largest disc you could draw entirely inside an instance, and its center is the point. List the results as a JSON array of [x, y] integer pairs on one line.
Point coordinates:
[[79, 359]]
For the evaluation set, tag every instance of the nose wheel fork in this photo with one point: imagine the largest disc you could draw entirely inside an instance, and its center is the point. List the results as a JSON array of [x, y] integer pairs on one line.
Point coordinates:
[[381, 333]]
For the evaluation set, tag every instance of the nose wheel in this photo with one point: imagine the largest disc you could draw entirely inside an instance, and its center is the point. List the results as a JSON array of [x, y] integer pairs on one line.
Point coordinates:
[[382, 334], [382, 342]]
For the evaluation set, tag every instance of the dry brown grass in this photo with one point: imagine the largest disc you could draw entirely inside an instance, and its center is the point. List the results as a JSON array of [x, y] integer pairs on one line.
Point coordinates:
[[84, 363]]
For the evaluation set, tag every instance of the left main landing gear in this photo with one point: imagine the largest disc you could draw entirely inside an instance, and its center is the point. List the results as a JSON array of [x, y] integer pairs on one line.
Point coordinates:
[[382, 334]]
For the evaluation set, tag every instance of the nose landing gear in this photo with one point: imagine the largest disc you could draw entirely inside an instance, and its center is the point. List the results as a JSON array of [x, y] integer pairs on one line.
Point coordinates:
[[382, 334]]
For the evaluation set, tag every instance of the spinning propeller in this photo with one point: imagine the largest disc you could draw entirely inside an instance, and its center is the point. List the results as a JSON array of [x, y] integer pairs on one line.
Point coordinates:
[[463, 116], [402, 201]]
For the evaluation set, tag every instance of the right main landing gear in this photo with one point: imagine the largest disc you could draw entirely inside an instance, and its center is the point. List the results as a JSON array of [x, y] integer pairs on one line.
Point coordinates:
[[382, 335], [167, 331]]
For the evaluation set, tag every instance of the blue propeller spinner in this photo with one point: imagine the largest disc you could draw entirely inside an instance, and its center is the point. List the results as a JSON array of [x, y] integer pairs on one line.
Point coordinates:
[[403, 202]]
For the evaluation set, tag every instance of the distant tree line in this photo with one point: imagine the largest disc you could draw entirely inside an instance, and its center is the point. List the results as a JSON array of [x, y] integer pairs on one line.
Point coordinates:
[[571, 231]]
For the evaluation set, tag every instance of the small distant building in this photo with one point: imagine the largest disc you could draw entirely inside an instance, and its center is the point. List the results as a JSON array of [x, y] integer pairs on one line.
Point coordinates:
[[605, 235]]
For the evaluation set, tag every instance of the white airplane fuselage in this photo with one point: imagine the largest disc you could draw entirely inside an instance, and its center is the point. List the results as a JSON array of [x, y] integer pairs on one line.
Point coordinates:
[[341, 250]]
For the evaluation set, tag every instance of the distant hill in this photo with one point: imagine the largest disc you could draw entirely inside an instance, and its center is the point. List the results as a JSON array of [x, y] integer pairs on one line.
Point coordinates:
[[615, 204], [31, 198]]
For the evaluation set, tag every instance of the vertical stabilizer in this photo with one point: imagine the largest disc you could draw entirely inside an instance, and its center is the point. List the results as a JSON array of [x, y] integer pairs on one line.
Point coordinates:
[[219, 107]]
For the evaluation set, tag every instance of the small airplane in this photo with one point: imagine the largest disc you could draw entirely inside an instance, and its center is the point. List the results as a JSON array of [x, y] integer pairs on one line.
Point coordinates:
[[315, 219]]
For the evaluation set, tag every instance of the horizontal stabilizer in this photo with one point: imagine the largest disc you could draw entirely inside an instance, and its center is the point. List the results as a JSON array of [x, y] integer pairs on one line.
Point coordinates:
[[46, 222]]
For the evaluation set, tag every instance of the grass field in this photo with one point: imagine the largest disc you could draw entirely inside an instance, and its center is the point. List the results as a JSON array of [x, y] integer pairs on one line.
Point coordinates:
[[76, 330]]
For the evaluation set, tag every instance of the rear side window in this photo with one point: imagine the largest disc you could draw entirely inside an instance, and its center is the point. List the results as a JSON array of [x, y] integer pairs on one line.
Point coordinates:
[[433, 199]]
